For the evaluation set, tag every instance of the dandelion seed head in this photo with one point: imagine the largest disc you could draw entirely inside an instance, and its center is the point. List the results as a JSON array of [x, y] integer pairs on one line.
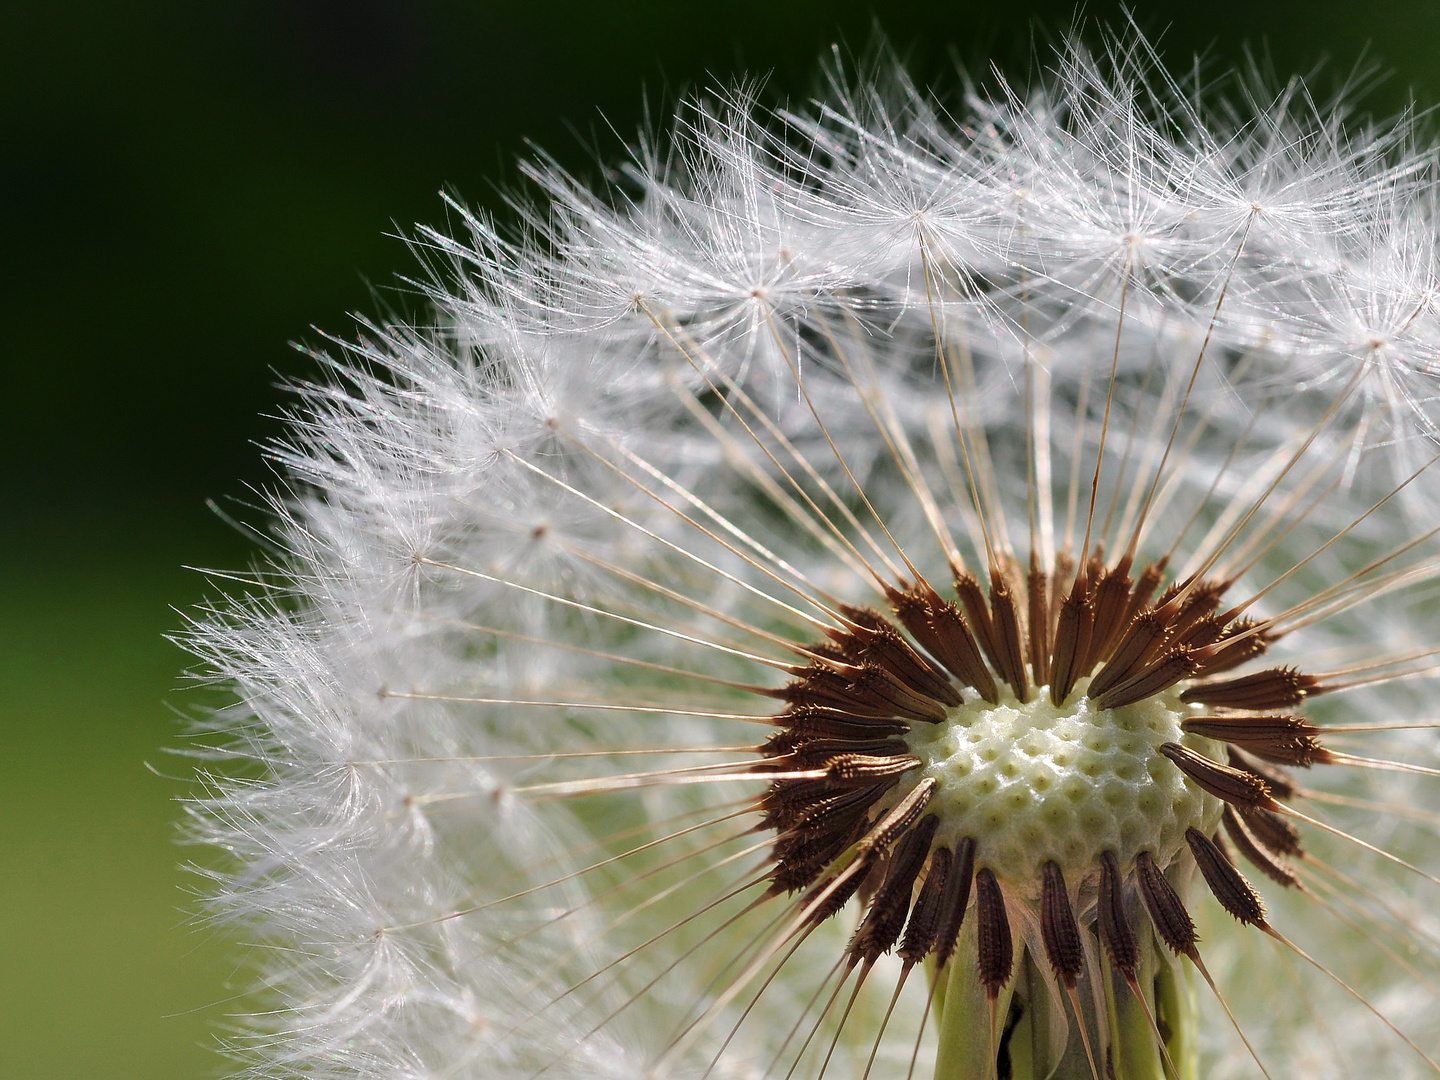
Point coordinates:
[[851, 595]]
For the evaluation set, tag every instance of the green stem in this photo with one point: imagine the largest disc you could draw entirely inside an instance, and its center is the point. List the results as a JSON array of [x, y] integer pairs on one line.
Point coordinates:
[[966, 1051], [1043, 1042], [1171, 1002], [1175, 1005]]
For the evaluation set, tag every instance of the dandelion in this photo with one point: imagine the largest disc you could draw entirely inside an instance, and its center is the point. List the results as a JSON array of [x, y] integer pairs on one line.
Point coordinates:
[[873, 592]]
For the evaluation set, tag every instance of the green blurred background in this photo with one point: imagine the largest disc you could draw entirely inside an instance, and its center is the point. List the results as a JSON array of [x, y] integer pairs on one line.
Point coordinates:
[[185, 188]]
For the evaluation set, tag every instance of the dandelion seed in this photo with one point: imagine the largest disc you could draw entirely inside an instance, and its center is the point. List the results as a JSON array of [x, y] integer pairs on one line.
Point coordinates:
[[846, 603]]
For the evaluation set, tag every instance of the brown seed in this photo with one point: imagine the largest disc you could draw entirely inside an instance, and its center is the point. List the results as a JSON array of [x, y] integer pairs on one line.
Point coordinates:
[[800, 752], [1150, 579], [940, 628], [880, 643], [900, 816], [1166, 604], [1273, 831], [1236, 895], [1112, 601], [1072, 641], [1280, 784], [1059, 588], [1233, 648], [1285, 740], [872, 682], [1271, 867], [1137, 647], [872, 844], [955, 901], [1167, 910], [1202, 601], [977, 613], [1115, 931], [824, 687], [788, 798], [1227, 784], [995, 950], [793, 797], [847, 650], [867, 768], [782, 743], [888, 910], [832, 904], [1058, 927], [814, 720], [923, 929], [1203, 632], [1009, 646], [1038, 621], [863, 622], [1161, 675], [805, 862], [794, 819], [1094, 571], [872, 877], [1273, 688]]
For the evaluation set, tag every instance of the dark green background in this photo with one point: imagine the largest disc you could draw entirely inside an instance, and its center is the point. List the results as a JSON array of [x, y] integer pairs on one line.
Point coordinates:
[[184, 188]]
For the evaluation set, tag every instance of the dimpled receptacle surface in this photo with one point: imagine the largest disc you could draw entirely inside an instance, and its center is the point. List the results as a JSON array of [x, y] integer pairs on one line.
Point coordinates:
[[1032, 781]]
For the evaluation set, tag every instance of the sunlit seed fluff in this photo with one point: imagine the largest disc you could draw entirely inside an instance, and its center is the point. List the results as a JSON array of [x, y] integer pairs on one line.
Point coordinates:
[[894, 590]]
